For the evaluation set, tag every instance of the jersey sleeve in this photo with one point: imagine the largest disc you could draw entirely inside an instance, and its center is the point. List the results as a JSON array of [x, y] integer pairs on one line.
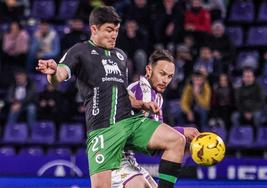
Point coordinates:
[[70, 59]]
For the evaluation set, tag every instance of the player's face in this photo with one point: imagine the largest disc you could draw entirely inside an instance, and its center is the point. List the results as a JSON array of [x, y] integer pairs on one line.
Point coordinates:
[[105, 35], [160, 75]]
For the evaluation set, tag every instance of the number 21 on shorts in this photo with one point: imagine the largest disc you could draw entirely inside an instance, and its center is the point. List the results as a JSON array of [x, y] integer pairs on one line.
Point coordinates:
[[98, 143]]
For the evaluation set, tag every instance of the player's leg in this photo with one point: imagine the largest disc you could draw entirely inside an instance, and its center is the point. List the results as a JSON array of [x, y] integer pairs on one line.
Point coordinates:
[[173, 144], [137, 181], [104, 148], [101, 179], [149, 135], [130, 174]]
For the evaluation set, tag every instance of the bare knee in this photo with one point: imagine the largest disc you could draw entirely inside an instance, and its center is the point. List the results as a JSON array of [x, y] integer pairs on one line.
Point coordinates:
[[178, 141]]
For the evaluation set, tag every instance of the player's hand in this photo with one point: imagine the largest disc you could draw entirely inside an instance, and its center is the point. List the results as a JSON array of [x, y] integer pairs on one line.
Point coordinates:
[[47, 66], [152, 107], [190, 133]]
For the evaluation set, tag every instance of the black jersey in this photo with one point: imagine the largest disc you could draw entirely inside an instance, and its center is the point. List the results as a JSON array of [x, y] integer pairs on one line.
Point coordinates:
[[101, 76]]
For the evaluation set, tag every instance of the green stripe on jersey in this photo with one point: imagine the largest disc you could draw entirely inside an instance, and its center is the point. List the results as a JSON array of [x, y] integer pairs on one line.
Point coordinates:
[[114, 99], [168, 178], [107, 53]]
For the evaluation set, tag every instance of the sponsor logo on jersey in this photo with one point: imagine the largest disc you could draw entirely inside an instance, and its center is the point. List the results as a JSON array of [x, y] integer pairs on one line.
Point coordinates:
[[111, 67], [120, 56], [95, 110], [93, 52]]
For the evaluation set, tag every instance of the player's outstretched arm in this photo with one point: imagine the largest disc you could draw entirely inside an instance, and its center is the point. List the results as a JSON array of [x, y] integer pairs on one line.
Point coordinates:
[[55, 73]]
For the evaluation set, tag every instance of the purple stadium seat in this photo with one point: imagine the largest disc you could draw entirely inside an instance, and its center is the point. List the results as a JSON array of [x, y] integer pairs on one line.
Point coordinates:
[[261, 140], [68, 9], [242, 11], [236, 35], [17, 133], [32, 151], [43, 9], [7, 151], [262, 15], [60, 152], [246, 55], [43, 133], [241, 136], [257, 36], [71, 134], [3, 27]]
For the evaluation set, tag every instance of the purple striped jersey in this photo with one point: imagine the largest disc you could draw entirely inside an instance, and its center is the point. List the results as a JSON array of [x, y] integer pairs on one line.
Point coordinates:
[[142, 90]]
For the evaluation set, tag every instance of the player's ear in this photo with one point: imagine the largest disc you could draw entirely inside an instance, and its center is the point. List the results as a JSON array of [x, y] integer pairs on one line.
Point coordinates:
[[93, 29], [148, 71]]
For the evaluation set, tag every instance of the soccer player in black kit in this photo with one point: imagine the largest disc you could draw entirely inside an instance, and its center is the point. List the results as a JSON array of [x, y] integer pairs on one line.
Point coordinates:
[[101, 74]]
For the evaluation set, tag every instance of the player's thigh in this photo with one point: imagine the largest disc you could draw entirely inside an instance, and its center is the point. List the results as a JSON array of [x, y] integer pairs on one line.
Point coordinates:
[[101, 179], [104, 148], [164, 136], [137, 181]]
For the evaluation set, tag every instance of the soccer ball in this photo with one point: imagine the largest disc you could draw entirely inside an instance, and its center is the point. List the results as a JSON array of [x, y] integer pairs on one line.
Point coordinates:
[[207, 149]]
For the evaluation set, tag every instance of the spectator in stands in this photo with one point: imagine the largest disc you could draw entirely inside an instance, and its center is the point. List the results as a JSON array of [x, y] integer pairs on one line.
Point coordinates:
[[197, 21], [222, 101], [135, 43], [196, 99], [51, 104], [249, 100], [21, 97], [76, 34], [11, 10], [45, 45], [206, 61], [15, 45], [184, 62], [139, 11], [216, 8], [164, 23], [197, 18], [222, 47]]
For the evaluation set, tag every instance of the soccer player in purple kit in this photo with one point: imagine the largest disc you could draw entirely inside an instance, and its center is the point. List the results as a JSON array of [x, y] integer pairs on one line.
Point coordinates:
[[148, 88]]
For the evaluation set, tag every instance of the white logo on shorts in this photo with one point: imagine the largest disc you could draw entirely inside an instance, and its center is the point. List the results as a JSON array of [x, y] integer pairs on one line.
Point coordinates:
[[99, 158]]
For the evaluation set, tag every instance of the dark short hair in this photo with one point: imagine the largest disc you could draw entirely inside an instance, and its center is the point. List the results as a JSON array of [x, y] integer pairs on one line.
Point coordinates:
[[161, 54], [104, 14]]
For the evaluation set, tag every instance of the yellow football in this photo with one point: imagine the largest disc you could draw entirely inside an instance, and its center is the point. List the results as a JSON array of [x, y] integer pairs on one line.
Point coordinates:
[[207, 149]]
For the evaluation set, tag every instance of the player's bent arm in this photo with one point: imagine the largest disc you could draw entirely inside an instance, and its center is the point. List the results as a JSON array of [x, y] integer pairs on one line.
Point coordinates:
[[137, 104], [60, 75]]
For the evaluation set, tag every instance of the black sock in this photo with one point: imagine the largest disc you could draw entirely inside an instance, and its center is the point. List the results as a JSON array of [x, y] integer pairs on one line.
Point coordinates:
[[168, 173]]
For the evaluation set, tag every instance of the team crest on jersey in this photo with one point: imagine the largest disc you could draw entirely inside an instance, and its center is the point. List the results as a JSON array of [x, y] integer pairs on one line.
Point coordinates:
[[110, 67], [120, 56]]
